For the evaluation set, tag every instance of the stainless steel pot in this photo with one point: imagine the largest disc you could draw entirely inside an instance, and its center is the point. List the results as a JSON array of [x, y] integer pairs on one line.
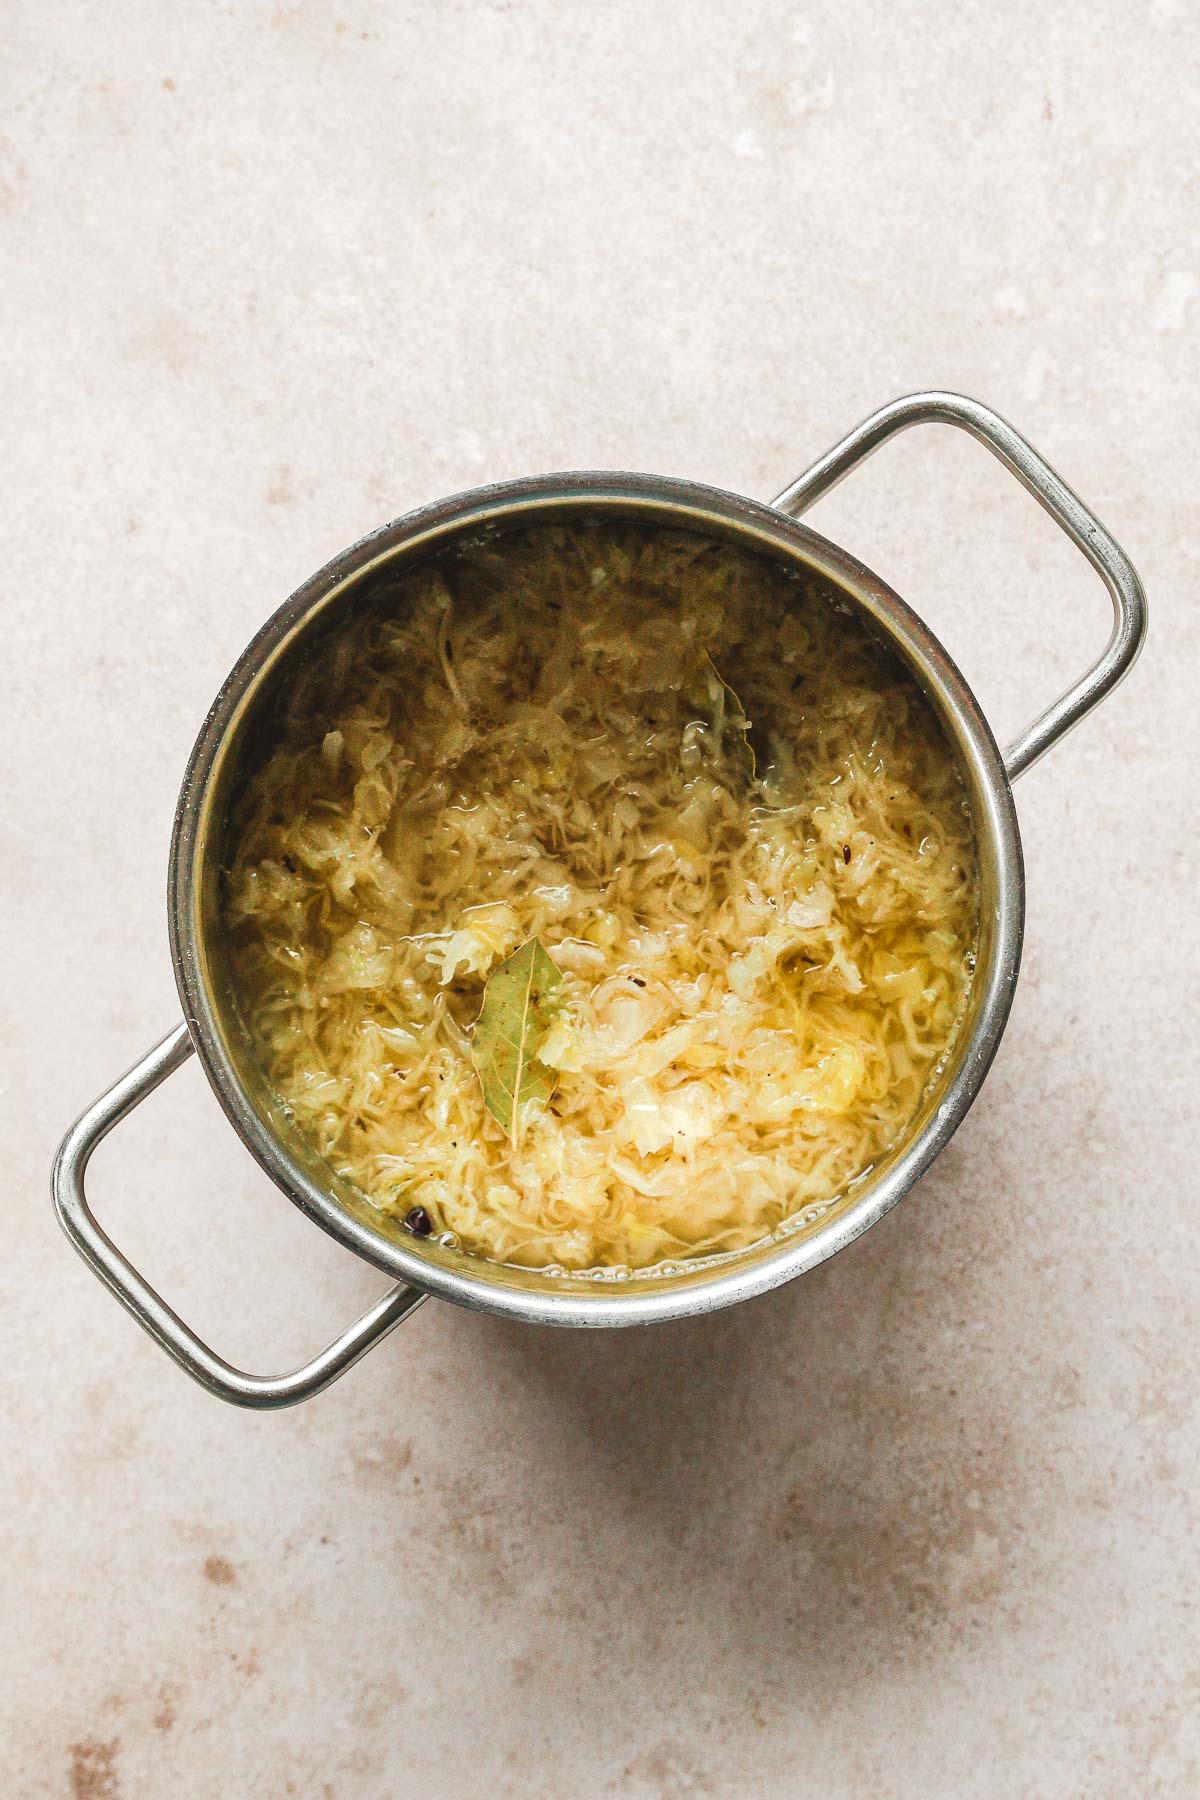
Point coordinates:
[[426, 1267]]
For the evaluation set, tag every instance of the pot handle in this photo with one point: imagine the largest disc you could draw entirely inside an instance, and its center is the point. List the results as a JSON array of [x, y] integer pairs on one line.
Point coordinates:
[[151, 1312], [1065, 507]]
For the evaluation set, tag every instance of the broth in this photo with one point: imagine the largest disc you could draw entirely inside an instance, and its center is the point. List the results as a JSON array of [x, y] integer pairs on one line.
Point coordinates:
[[727, 816]]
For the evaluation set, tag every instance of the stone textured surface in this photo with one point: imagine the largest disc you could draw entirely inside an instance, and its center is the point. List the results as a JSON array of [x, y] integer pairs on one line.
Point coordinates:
[[925, 1523]]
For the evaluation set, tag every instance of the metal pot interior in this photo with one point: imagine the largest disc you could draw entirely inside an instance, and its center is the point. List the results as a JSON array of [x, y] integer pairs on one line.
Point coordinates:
[[198, 849]]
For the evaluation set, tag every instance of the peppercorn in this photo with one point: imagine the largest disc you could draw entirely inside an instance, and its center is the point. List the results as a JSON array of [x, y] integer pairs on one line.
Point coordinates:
[[418, 1222]]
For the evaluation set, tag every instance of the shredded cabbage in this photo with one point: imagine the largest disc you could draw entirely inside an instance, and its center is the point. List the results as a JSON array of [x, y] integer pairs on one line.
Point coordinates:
[[764, 959]]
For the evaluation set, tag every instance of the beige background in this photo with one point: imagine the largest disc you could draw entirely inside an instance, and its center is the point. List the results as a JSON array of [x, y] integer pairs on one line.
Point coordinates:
[[925, 1523]]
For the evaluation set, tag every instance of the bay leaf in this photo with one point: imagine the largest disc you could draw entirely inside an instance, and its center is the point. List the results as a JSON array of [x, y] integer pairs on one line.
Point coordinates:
[[727, 719], [520, 1003]]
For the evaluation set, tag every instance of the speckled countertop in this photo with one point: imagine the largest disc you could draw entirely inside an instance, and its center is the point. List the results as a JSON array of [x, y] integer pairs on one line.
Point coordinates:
[[922, 1524]]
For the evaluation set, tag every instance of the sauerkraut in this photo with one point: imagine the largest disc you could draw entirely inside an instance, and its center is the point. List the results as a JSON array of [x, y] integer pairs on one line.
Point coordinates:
[[764, 956]]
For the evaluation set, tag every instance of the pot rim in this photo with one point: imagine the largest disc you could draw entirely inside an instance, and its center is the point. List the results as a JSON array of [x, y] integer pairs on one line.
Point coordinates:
[[581, 1300]]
